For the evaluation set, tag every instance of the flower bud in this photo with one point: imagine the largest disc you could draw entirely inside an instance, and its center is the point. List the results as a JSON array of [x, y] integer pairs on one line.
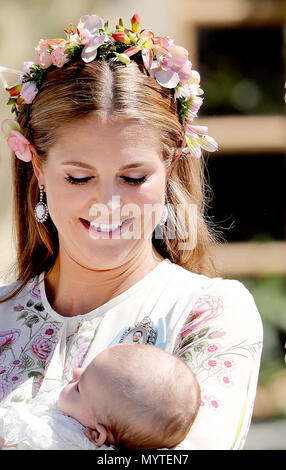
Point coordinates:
[[121, 36], [123, 58], [135, 21], [14, 90]]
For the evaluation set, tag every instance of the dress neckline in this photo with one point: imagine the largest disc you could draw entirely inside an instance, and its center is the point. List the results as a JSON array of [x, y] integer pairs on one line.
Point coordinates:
[[99, 311]]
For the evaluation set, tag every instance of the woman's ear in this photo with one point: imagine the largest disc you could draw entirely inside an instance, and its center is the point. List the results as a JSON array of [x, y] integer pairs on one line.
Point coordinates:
[[97, 435], [37, 166]]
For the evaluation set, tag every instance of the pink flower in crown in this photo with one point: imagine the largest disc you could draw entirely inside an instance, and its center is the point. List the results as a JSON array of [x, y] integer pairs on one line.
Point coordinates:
[[206, 309], [43, 54], [59, 58], [173, 67], [28, 92], [5, 389], [145, 44], [29, 89], [16, 141], [9, 337]]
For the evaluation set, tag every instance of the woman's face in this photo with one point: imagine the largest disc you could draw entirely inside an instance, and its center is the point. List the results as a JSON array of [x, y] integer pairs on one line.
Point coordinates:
[[104, 173]]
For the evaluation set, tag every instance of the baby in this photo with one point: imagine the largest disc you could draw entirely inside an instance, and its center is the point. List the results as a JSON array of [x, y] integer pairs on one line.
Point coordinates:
[[133, 396]]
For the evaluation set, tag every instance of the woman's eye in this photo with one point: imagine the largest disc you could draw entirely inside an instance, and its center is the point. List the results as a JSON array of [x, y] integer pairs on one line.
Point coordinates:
[[128, 180], [73, 180], [134, 180]]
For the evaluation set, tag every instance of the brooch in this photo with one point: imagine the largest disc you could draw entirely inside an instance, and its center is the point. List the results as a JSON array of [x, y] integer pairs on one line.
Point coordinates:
[[141, 333]]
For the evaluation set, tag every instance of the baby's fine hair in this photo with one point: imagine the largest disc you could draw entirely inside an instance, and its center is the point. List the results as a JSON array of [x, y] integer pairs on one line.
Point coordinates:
[[155, 397]]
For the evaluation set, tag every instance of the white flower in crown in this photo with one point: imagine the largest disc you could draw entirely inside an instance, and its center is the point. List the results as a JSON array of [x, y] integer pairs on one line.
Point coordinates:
[[196, 139], [191, 88], [90, 33]]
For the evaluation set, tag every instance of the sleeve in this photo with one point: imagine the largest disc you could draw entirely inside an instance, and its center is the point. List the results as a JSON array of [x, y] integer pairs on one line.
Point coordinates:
[[221, 340]]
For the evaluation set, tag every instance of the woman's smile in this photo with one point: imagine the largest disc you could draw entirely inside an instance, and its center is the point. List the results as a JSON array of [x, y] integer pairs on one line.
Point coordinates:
[[106, 231]]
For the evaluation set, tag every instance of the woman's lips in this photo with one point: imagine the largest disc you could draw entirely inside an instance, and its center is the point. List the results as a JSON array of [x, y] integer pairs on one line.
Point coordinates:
[[94, 233]]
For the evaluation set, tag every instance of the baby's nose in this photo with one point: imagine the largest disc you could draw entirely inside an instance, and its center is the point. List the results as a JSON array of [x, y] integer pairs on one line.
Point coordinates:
[[77, 373]]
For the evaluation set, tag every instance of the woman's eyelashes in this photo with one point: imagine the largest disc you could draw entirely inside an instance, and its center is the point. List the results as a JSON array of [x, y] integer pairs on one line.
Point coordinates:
[[134, 180], [85, 180], [73, 180]]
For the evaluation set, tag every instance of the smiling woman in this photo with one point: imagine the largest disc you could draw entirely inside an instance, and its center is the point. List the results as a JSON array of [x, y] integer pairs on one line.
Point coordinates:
[[87, 111], [111, 144]]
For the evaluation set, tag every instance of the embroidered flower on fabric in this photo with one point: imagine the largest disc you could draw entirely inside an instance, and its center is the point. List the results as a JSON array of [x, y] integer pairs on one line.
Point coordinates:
[[35, 292], [213, 348], [228, 363], [15, 363], [204, 311], [49, 330], [225, 379], [210, 402], [42, 347], [9, 337], [213, 364]]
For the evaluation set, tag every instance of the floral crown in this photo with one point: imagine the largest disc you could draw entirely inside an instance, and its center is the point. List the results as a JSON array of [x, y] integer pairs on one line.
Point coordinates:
[[165, 61]]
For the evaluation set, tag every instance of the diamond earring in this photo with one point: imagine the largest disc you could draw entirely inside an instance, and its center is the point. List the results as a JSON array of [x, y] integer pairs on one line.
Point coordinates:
[[41, 209]]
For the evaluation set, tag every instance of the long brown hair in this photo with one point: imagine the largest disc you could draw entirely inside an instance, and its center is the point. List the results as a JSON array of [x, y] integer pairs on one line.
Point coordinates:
[[120, 91]]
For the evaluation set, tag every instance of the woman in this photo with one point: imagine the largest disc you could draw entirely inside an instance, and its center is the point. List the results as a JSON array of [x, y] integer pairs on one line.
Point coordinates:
[[116, 241]]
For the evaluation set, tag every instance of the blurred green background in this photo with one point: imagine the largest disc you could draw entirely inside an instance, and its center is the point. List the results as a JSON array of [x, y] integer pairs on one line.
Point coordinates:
[[239, 48]]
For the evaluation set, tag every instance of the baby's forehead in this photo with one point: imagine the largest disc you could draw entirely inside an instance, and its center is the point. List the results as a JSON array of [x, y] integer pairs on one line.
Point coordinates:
[[129, 358]]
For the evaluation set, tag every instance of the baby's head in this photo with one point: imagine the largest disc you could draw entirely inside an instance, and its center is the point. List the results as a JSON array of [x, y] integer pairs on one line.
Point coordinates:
[[133, 395]]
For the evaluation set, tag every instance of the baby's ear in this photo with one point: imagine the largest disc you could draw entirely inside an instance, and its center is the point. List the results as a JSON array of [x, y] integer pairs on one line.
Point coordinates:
[[97, 435]]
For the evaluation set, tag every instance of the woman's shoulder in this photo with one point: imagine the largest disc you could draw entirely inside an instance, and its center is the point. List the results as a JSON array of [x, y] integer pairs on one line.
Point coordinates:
[[208, 283], [6, 289], [229, 298], [219, 285]]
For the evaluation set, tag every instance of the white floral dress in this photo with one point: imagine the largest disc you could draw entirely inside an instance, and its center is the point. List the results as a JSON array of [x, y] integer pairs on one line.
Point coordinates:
[[211, 323]]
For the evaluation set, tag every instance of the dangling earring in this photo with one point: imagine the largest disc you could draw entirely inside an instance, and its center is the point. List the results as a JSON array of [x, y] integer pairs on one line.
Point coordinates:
[[164, 216], [41, 210]]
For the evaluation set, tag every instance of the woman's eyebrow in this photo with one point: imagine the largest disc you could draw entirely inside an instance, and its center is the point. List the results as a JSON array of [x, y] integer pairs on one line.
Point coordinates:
[[85, 165]]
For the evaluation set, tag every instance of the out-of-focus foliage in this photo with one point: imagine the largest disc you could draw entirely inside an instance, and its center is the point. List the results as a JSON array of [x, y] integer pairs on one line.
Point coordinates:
[[236, 76], [270, 296]]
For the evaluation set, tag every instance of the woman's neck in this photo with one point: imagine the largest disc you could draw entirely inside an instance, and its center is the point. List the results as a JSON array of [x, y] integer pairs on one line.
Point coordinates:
[[72, 289]]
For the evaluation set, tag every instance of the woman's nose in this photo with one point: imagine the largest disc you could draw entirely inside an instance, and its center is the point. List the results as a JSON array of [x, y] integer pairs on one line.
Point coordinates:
[[77, 373], [108, 212]]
